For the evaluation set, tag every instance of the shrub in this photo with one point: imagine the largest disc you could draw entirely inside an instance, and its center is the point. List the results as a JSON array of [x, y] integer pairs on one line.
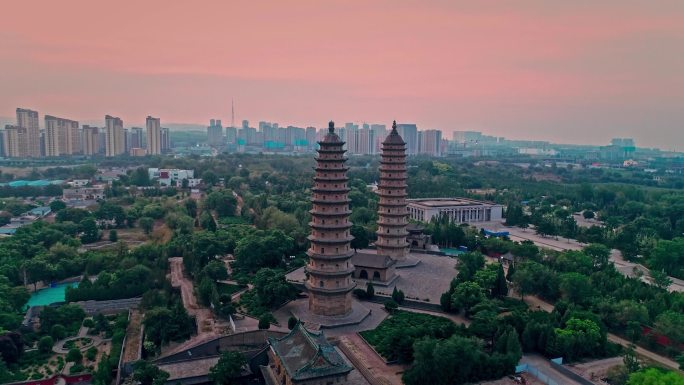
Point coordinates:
[[58, 331], [74, 355], [45, 344], [291, 322], [264, 321], [91, 353], [360, 293], [89, 323], [391, 306]]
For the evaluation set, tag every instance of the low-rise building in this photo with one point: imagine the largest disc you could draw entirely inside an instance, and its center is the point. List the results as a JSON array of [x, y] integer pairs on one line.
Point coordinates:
[[79, 182], [459, 210], [83, 194], [170, 177]]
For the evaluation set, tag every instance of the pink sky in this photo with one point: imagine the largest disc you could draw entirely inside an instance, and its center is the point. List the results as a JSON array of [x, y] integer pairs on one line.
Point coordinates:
[[578, 71]]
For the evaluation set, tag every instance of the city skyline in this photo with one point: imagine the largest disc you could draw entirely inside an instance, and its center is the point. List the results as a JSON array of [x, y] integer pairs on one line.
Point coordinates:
[[564, 72]]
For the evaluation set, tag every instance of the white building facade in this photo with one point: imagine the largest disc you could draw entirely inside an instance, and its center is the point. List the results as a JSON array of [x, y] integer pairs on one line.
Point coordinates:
[[459, 210]]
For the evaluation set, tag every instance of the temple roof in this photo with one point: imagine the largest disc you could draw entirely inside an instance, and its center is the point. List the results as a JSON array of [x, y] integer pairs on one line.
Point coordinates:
[[394, 137], [370, 259], [306, 355]]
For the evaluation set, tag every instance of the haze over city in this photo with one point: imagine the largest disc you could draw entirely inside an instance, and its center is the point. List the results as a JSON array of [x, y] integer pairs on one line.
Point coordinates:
[[577, 72]]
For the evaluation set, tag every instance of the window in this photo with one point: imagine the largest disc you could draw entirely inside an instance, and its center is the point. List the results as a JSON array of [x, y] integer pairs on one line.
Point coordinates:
[[321, 284], [322, 250]]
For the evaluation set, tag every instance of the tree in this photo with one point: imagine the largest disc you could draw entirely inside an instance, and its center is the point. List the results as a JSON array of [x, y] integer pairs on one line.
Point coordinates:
[[361, 239], [660, 279], [223, 202], [207, 221], [191, 207], [370, 290], [466, 295], [599, 253], [630, 360], [91, 353], [74, 355], [57, 205], [216, 270], [113, 236], [671, 324], [89, 230], [148, 374], [500, 288], [271, 288], [292, 322], [265, 321], [588, 214], [140, 177], [655, 376], [227, 369], [576, 287], [391, 306], [147, 224], [11, 347], [209, 178], [669, 256], [398, 296], [45, 344]]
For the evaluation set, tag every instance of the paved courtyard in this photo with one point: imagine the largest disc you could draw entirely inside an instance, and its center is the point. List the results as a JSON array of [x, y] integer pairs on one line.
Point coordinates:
[[426, 280]]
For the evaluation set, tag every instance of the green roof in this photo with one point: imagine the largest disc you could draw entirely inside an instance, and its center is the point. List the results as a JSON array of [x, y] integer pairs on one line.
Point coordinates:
[[306, 355]]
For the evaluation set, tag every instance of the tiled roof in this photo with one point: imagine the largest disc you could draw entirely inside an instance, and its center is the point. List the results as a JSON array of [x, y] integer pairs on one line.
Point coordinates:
[[365, 259], [307, 355]]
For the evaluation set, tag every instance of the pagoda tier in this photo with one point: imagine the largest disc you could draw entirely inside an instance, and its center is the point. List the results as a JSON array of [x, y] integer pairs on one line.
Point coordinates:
[[392, 213], [329, 270]]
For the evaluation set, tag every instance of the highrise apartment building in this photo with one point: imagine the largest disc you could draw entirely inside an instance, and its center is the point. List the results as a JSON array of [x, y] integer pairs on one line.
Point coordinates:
[[430, 142], [14, 142], [28, 119], [215, 133], [115, 137], [409, 132], [231, 135], [166, 139], [153, 136], [91, 140], [136, 139], [62, 136]]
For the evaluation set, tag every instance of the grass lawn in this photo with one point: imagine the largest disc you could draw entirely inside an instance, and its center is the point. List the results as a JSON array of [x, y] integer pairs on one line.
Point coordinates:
[[402, 328]]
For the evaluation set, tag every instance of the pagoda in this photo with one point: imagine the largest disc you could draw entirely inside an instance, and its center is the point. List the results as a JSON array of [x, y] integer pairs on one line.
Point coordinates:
[[392, 213], [329, 271]]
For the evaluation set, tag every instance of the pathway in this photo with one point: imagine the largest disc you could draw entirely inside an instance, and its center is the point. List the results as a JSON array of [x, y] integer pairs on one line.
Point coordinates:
[[59, 348], [545, 367], [455, 318], [208, 327], [133, 346], [384, 373]]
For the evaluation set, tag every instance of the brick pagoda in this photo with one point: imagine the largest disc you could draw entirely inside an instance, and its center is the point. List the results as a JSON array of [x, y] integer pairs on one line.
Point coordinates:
[[330, 269], [392, 214]]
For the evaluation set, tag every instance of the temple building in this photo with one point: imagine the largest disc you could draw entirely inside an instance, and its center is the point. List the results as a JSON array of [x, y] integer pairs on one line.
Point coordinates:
[[329, 270], [304, 357]]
